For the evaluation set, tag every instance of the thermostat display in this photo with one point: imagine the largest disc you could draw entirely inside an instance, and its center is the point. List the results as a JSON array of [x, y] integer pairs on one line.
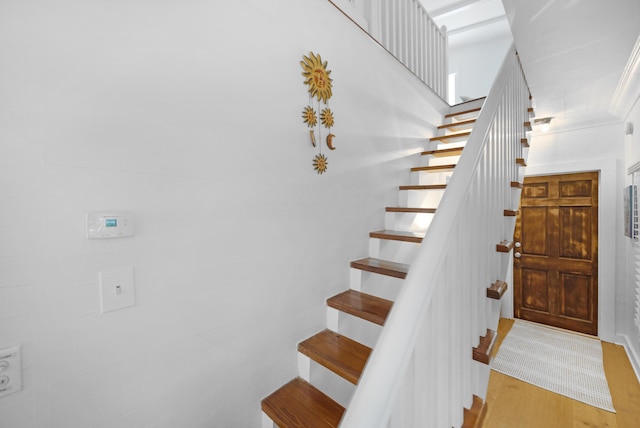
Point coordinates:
[[109, 224]]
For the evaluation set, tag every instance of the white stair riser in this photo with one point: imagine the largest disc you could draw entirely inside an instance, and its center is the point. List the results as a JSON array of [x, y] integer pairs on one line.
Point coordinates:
[[333, 385], [407, 222], [267, 422], [395, 251], [378, 285], [431, 160], [356, 328], [426, 178], [422, 198]]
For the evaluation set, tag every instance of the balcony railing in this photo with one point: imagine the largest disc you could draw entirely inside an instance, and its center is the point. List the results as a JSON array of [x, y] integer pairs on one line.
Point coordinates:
[[405, 30]]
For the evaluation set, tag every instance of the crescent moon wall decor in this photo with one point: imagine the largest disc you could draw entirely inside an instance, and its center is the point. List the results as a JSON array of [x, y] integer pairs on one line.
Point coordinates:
[[330, 142], [319, 86]]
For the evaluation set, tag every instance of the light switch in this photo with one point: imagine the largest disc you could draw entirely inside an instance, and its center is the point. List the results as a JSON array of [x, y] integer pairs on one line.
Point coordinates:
[[117, 289]]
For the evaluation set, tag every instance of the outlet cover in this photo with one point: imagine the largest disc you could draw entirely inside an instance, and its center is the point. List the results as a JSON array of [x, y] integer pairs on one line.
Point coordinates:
[[117, 289], [10, 370]]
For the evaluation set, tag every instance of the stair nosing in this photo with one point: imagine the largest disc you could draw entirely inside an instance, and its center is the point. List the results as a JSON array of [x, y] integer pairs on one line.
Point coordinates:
[[442, 152], [410, 210], [381, 267], [460, 113], [433, 168], [395, 235], [450, 136], [460, 123], [424, 187]]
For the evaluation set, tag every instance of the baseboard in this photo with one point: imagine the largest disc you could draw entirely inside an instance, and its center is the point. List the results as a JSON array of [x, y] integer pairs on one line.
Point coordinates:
[[633, 356]]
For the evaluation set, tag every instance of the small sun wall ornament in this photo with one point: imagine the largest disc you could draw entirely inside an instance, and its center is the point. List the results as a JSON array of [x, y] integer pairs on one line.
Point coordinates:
[[320, 163], [319, 86]]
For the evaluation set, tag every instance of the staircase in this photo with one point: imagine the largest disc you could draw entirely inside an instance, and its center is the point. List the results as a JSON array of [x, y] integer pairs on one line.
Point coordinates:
[[375, 281]]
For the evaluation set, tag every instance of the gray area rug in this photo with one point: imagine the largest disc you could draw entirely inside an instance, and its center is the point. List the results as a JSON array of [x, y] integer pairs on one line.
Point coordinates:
[[558, 361]]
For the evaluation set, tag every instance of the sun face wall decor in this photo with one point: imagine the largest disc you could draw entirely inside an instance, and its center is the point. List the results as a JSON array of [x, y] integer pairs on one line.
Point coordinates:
[[320, 88]]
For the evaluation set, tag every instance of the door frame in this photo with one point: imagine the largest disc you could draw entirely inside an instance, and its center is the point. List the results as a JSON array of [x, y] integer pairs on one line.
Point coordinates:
[[609, 211]]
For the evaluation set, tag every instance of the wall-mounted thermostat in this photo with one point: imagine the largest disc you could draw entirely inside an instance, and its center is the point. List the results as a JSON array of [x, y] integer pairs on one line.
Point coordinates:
[[109, 224]]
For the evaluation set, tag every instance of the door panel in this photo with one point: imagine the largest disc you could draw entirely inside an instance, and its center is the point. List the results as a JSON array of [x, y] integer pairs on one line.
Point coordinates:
[[575, 236], [535, 290], [534, 230], [575, 294], [556, 276]]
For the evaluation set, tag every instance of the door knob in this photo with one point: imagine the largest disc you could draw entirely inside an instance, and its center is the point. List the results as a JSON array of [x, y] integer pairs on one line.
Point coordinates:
[[517, 255], [518, 245]]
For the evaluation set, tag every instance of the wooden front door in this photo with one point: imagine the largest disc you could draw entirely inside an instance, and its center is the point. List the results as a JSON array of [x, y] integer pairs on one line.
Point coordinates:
[[556, 255]]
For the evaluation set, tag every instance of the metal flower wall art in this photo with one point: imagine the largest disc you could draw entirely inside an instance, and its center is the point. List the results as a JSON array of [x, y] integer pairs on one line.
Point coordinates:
[[319, 86]]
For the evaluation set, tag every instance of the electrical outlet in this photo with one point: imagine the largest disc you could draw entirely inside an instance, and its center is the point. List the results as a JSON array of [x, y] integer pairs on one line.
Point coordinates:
[[10, 370], [116, 289]]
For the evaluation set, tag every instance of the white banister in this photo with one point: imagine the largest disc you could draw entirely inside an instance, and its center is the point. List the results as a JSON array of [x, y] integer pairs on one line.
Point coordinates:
[[421, 372], [404, 28]]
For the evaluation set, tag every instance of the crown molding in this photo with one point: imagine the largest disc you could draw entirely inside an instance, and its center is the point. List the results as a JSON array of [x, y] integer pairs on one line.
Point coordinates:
[[628, 90]]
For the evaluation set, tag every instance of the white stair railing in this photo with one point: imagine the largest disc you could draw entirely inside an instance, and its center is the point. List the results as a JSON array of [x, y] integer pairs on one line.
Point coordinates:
[[421, 372], [404, 28]]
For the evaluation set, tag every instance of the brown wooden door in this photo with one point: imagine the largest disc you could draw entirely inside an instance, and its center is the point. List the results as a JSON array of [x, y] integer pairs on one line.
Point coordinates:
[[556, 274]]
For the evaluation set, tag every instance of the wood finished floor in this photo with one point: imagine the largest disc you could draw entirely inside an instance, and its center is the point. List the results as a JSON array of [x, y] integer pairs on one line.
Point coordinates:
[[516, 404]]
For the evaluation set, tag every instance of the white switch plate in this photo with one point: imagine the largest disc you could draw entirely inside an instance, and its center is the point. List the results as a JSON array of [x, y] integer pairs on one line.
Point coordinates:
[[117, 289], [10, 370]]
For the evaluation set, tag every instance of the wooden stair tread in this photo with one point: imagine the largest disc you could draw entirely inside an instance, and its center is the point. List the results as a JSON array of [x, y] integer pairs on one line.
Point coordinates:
[[382, 267], [455, 151], [504, 246], [455, 137], [510, 213], [458, 124], [371, 308], [338, 353], [424, 187], [461, 113], [516, 185], [410, 210], [474, 417], [482, 353], [524, 142], [395, 235], [527, 126], [521, 162], [497, 290], [299, 404], [433, 168]]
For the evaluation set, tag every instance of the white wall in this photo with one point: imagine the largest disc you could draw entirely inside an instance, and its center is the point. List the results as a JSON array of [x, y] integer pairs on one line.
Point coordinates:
[[476, 65], [627, 295], [187, 113], [600, 148]]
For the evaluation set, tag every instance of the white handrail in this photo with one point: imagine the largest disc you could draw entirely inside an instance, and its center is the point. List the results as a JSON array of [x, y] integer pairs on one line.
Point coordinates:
[[421, 372]]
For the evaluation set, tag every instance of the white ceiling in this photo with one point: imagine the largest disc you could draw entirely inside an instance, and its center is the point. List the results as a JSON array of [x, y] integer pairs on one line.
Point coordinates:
[[469, 21], [573, 52]]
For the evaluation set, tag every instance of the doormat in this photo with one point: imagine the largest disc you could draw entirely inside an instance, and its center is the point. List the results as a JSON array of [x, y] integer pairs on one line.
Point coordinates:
[[558, 361]]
